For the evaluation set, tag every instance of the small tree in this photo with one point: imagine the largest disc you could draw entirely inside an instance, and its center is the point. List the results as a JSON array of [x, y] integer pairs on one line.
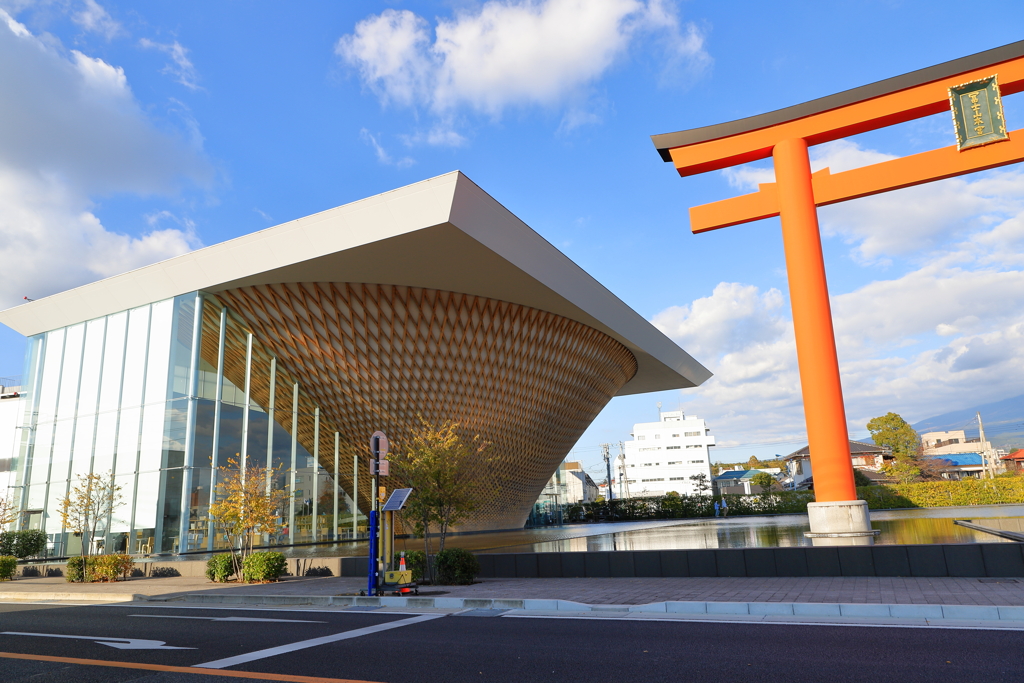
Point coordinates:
[[753, 463], [8, 511], [245, 507], [700, 483], [90, 502], [902, 470], [439, 465], [893, 431], [764, 480]]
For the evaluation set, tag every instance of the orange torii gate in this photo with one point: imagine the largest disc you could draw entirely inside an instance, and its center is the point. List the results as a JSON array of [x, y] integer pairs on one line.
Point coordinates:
[[971, 88]]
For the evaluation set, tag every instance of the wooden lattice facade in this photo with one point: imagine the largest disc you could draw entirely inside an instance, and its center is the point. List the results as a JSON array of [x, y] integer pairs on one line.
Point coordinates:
[[373, 356]]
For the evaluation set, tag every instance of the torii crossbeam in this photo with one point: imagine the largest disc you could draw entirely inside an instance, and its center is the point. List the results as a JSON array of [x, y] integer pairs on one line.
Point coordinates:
[[971, 88]]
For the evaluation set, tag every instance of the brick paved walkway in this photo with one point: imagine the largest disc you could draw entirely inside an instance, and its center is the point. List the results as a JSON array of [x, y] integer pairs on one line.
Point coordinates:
[[631, 591]]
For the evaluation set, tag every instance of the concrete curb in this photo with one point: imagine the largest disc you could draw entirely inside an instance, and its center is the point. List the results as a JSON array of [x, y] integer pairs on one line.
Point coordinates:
[[797, 609]]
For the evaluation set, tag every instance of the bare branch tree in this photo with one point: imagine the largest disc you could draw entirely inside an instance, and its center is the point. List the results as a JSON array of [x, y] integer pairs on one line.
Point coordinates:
[[89, 503]]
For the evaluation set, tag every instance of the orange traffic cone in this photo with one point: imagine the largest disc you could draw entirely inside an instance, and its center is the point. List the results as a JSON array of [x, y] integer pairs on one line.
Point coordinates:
[[401, 564]]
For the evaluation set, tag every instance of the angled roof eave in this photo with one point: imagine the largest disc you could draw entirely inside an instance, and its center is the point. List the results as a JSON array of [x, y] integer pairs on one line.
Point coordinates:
[[441, 233]]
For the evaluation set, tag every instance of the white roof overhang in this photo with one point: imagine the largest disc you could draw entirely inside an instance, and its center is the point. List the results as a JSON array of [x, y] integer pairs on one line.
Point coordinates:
[[444, 233]]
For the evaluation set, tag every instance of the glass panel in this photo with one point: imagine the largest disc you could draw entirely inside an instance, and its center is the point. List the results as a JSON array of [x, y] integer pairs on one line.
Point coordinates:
[[58, 489], [33, 354], [40, 466], [60, 460], [181, 347], [171, 509], [51, 376], [68, 402], [208, 348], [121, 517], [175, 431], [88, 395], [203, 435], [128, 441], [106, 432], [135, 357], [113, 359], [159, 355], [146, 499]]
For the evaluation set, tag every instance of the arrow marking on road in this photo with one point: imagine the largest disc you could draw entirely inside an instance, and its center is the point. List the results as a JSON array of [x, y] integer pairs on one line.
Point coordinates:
[[171, 616], [119, 643]]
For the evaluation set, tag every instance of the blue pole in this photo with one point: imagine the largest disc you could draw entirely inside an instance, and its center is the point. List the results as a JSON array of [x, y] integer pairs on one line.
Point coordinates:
[[371, 583]]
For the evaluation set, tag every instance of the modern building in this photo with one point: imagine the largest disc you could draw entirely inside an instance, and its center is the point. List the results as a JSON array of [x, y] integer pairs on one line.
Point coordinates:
[[948, 443], [289, 347], [664, 455]]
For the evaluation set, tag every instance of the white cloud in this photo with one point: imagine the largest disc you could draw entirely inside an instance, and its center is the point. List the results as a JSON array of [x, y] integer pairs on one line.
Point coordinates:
[[94, 18], [73, 130], [509, 54], [731, 318], [181, 67], [382, 154]]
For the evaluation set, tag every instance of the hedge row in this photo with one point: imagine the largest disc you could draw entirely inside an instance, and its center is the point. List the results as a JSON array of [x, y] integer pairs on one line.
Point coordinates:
[[1001, 490], [934, 494], [682, 506]]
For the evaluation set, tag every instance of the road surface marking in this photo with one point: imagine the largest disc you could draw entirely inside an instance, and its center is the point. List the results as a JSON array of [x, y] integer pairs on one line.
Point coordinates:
[[126, 644], [174, 616], [181, 669], [314, 642]]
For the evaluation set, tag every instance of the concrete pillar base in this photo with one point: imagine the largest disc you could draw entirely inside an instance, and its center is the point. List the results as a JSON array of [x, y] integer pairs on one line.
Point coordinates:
[[843, 522]]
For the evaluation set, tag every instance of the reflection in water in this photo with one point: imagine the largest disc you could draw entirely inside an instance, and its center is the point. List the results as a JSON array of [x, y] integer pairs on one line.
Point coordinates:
[[898, 527]]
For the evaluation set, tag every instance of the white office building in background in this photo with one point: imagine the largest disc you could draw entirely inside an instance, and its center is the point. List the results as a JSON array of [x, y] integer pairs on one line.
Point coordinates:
[[664, 455]]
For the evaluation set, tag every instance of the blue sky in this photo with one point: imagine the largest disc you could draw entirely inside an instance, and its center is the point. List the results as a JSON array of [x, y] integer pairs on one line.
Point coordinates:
[[134, 132]]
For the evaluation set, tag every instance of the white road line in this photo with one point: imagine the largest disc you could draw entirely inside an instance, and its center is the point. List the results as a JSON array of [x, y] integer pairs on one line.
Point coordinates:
[[257, 619], [313, 642]]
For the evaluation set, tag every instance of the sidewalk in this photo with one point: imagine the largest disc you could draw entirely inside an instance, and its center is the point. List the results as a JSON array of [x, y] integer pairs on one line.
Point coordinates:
[[592, 591]]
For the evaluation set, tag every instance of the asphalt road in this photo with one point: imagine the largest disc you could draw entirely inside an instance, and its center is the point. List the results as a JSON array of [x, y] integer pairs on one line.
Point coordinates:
[[483, 648]]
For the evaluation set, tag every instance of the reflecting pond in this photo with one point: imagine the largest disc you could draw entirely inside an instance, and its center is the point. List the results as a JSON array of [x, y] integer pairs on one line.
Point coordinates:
[[898, 527], [922, 525]]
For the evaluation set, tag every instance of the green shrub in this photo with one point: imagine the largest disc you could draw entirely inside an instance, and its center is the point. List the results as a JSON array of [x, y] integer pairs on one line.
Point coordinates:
[[112, 567], [929, 494], [219, 568], [8, 567], [22, 544], [415, 560], [259, 567], [456, 567], [81, 568]]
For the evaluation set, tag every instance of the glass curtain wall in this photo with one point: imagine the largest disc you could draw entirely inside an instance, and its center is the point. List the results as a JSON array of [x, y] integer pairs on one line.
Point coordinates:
[[166, 399]]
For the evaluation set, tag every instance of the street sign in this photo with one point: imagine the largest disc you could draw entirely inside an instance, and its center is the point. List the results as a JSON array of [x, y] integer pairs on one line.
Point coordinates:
[[380, 467], [379, 444], [397, 500]]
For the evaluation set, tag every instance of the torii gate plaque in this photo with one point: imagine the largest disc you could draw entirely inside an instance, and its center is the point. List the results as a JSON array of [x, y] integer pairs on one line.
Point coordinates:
[[971, 88]]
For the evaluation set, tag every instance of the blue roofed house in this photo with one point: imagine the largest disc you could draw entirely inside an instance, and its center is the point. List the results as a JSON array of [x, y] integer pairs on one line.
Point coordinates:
[[961, 465], [739, 481]]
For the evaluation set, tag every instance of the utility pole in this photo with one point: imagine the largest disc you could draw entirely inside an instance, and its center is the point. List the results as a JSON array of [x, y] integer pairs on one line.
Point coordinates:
[[605, 448], [622, 470], [987, 456]]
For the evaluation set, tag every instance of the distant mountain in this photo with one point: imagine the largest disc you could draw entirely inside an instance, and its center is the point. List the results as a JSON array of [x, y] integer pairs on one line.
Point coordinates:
[[1004, 422]]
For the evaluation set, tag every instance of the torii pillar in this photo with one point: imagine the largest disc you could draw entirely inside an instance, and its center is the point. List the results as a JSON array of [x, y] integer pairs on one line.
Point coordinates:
[[971, 88]]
